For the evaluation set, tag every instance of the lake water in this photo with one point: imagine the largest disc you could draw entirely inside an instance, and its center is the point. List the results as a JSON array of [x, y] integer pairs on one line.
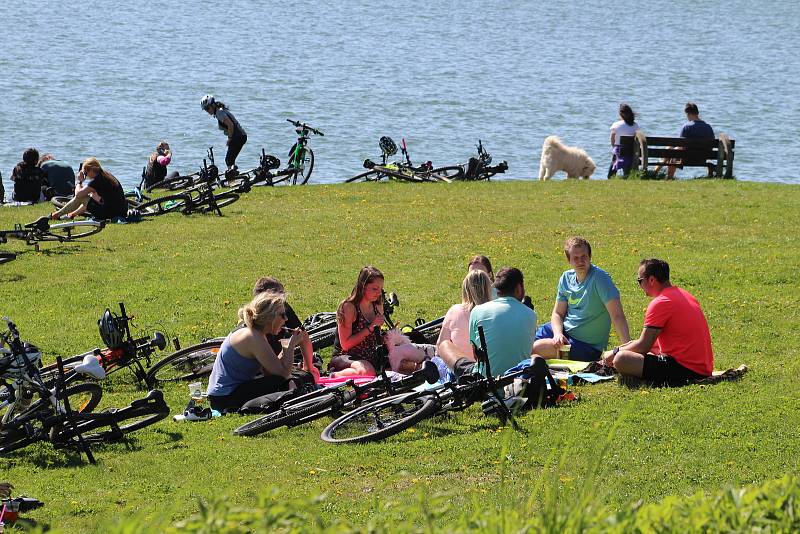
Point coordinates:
[[111, 79]]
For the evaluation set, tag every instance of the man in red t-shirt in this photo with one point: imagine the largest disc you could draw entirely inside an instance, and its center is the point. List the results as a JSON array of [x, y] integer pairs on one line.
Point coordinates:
[[675, 345]]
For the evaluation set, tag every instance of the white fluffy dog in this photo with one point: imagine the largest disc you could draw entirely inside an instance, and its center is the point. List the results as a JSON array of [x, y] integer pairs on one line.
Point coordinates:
[[404, 356], [556, 156]]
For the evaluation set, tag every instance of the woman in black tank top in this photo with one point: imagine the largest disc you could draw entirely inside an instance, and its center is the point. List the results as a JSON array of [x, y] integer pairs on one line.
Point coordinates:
[[359, 318], [102, 196]]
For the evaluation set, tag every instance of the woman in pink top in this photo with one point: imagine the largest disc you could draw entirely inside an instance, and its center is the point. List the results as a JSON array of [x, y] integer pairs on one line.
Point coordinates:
[[156, 170], [453, 342]]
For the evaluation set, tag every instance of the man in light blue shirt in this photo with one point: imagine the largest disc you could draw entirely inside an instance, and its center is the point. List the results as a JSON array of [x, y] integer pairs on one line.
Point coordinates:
[[508, 326], [587, 302]]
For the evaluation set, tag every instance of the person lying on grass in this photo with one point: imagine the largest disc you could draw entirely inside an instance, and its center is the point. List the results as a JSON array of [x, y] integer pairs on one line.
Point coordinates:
[[356, 349], [675, 345], [246, 352], [453, 343], [268, 283]]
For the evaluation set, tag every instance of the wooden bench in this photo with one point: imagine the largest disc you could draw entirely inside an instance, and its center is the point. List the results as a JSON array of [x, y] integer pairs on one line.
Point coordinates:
[[714, 154]]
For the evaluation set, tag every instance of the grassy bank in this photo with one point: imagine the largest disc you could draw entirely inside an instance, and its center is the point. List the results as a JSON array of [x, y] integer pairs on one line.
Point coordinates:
[[733, 245]]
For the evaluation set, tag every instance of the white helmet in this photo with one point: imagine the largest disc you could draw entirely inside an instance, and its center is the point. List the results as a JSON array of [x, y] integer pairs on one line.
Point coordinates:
[[207, 101], [16, 362]]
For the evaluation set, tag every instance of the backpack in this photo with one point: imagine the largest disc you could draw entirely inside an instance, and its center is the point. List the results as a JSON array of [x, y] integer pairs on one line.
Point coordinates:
[[300, 383], [538, 388]]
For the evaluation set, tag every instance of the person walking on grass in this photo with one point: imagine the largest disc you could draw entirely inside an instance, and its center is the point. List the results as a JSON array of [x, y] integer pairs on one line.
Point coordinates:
[[587, 303], [675, 345]]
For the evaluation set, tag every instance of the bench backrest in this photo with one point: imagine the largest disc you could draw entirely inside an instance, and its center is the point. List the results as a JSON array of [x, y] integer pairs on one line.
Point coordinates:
[[689, 150]]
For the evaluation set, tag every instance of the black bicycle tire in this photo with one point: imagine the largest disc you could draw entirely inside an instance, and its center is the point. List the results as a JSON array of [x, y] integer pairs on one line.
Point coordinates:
[[289, 415], [91, 428], [451, 172], [60, 201], [307, 174], [90, 228], [425, 406], [223, 199], [205, 349], [6, 257], [21, 439], [364, 176], [180, 201], [175, 184], [323, 340]]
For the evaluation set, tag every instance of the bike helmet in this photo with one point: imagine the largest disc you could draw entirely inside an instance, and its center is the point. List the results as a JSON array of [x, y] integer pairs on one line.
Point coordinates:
[[207, 101], [16, 365], [110, 330], [387, 146], [270, 162]]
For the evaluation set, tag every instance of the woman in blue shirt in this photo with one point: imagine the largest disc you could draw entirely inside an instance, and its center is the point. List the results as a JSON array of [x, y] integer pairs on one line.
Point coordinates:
[[246, 353]]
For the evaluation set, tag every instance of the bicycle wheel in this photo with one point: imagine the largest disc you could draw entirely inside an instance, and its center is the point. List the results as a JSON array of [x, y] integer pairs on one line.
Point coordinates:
[[321, 340], [6, 257], [454, 172], [186, 364], [293, 415], [163, 205], [222, 200], [306, 165], [112, 425], [174, 184], [380, 419], [60, 202], [67, 231], [84, 397], [369, 176]]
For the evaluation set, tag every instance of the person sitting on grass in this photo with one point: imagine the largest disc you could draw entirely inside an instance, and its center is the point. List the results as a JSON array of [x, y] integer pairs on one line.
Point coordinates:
[[156, 169], [102, 195], [587, 302], [246, 353], [58, 175], [28, 178], [267, 283], [508, 326], [453, 343], [358, 343], [675, 345]]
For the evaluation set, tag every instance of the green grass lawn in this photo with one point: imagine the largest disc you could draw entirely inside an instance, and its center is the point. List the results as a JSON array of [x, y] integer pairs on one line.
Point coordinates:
[[733, 245]]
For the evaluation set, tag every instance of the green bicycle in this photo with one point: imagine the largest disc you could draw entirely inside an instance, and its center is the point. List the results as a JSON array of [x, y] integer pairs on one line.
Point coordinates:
[[301, 157]]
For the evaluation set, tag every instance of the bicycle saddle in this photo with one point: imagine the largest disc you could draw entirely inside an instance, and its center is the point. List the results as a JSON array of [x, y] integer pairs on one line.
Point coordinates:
[[387, 146], [368, 163], [42, 223], [90, 365]]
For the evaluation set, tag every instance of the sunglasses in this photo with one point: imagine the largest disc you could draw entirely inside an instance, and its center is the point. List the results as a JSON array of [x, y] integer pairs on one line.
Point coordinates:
[[639, 281]]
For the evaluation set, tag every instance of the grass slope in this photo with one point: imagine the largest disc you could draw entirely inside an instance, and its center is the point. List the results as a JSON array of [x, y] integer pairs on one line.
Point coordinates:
[[733, 244]]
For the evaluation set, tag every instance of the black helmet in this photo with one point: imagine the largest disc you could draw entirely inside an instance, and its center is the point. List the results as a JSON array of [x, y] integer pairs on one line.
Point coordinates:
[[110, 330], [387, 146]]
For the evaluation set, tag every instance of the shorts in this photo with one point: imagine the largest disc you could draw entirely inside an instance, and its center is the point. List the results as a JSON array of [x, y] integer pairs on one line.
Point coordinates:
[[580, 351], [664, 370], [101, 212], [343, 361], [464, 366]]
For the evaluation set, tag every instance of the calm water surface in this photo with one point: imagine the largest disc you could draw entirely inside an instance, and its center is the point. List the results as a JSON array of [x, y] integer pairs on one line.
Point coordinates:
[[111, 79]]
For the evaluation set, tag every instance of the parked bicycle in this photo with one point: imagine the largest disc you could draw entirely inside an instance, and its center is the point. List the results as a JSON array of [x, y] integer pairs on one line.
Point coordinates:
[[403, 170], [335, 399], [480, 167], [386, 417], [197, 360], [122, 350], [52, 417], [301, 157], [41, 230]]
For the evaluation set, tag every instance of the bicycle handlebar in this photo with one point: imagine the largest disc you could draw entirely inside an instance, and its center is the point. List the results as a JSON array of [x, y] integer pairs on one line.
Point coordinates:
[[305, 126]]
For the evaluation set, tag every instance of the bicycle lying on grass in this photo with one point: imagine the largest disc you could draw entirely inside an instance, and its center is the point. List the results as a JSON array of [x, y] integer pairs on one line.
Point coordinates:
[[481, 168], [41, 231], [51, 417], [122, 351], [403, 170], [335, 399], [389, 416], [197, 360]]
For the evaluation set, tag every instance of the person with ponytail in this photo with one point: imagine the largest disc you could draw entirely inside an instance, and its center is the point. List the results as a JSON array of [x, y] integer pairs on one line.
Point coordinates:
[[226, 122], [246, 353], [101, 195], [626, 125], [156, 170]]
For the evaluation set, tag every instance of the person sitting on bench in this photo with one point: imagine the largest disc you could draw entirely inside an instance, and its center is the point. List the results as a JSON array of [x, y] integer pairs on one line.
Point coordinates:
[[695, 128]]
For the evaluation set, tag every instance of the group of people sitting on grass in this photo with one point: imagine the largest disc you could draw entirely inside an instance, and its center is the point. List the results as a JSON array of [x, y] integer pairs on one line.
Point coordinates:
[[673, 349]]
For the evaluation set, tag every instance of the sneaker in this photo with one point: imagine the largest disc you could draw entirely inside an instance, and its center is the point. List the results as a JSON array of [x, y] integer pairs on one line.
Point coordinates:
[[196, 413]]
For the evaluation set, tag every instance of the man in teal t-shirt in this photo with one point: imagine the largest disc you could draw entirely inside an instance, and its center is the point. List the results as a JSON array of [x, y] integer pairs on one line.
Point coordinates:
[[587, 302], [508, 326]]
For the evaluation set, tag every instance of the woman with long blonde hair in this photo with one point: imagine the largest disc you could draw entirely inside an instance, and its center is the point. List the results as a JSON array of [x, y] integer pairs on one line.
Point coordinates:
[[247, 352], [102, 195], [453, 343]]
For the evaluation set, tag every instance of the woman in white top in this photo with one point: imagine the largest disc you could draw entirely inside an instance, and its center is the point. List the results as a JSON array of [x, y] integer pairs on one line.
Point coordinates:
[[625, 126], [237, 137], [453, 343]]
